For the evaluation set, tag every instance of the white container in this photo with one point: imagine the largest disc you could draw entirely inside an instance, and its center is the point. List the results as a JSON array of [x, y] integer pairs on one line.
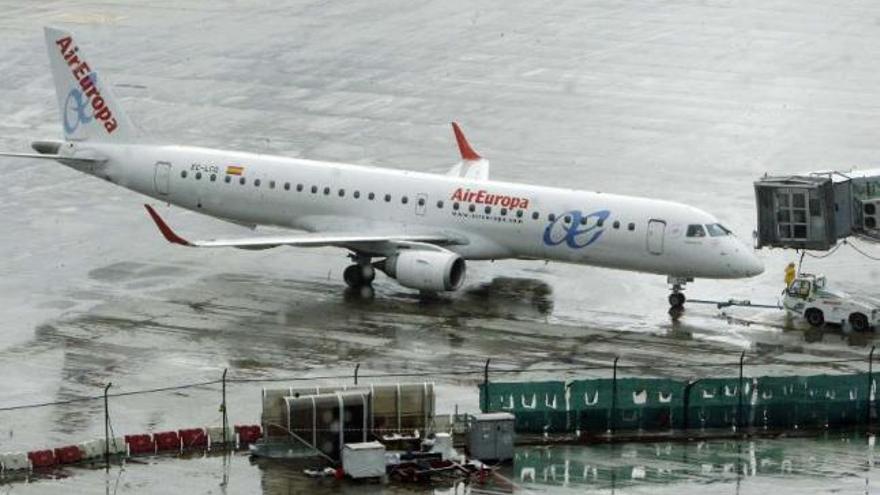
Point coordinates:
[[14, 461], [363, 460], [215, 435], [95, 448]]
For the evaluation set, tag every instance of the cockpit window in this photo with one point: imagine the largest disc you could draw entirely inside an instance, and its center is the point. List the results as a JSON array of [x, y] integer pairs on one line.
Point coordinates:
[[717, 230], [696, 230]]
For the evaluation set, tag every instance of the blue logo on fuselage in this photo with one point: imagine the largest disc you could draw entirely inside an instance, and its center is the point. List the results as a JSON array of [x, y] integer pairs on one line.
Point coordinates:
[[75, 107], [575, 229]]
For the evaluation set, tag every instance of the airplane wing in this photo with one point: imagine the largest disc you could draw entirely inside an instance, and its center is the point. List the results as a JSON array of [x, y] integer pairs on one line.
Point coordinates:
[[338, 239], [472, 165]]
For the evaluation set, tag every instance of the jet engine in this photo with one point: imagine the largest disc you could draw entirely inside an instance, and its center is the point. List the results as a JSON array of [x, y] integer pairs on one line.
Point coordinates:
[[425, 270]]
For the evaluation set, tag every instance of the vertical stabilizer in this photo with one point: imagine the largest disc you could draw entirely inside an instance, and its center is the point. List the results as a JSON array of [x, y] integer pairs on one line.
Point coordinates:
[[89, 111]]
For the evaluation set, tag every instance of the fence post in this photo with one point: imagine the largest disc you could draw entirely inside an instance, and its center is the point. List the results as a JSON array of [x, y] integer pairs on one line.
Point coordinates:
[[868, 401], [486, 386], [613, 421], [356, 368], [107, 427], [223, 410], [739, 405], [686, 403]]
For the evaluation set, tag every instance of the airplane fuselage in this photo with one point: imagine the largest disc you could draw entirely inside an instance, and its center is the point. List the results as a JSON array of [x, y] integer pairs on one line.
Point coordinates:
[[497, 220]]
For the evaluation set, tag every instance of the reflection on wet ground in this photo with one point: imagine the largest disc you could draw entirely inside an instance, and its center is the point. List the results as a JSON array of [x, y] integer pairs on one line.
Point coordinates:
[[834, 463]]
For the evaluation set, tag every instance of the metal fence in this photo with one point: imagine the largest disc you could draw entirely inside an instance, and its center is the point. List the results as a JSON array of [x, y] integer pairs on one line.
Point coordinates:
[[655, 404]]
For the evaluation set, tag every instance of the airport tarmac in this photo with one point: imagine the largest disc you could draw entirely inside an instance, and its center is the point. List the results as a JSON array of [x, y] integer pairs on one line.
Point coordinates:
[[678, 100]]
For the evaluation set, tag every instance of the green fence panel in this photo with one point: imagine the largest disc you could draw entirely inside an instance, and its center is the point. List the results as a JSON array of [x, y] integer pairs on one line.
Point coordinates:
[[834, 400], [713, 402], [590, 404], [777, 401], [649, 404], [538, 406]]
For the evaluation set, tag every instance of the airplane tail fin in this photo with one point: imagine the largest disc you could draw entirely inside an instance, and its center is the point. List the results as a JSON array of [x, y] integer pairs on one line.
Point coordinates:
[[89, 111]]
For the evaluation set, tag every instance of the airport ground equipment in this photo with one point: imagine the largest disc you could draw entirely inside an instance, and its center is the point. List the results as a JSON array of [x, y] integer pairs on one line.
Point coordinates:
[[491, 436], [815, 210], [363, 460], [810, 297]]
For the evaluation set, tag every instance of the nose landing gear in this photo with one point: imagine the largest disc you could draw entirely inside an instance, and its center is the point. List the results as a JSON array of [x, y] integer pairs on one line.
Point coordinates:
[[677, 299]]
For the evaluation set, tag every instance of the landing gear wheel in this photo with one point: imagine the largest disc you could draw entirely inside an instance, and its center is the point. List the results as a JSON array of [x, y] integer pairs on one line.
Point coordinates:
[[859, 322], [366, 292], [675, 312], [354, 276], [368, 274], [814, 317], [676, 299]]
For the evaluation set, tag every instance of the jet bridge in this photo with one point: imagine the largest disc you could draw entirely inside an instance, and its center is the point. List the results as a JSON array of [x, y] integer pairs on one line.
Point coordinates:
[[813, 211]]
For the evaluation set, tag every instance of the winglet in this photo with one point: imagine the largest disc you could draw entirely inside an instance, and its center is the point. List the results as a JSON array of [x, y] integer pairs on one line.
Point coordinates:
[[467, 153], [169, 234]]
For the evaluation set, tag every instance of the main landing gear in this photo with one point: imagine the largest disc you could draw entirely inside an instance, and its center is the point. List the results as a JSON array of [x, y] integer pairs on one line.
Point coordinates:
[[360, 275], [677, 299]]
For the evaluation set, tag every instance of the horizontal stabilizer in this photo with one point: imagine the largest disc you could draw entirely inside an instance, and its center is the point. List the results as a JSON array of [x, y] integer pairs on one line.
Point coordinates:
[[54, 157]]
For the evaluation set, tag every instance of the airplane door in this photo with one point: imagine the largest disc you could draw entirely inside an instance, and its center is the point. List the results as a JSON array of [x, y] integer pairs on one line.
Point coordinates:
[[421, 203], [162, 178], [656, 232]]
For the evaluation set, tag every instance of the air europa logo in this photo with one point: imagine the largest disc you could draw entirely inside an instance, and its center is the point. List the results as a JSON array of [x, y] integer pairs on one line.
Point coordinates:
[[87, 94], [485, 197], [576, 229]]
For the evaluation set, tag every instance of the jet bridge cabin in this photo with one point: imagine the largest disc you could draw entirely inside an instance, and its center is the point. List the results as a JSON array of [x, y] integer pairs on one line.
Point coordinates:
[[813, 211]]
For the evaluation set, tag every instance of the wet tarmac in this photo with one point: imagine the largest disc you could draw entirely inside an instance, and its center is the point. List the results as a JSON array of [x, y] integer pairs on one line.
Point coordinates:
[[676, 100]]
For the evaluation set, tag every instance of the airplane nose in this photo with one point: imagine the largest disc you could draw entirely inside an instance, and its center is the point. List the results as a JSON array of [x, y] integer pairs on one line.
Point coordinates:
[[754, 266]]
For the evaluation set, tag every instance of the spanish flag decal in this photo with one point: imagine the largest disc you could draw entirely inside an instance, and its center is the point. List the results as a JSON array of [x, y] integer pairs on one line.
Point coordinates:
[[234, 170]]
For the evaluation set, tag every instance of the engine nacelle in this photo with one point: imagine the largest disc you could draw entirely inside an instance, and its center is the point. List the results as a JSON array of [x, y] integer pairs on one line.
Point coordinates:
[[425, 270]]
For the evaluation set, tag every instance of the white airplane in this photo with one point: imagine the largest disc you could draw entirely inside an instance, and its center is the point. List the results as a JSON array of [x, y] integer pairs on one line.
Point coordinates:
[[417, 228]]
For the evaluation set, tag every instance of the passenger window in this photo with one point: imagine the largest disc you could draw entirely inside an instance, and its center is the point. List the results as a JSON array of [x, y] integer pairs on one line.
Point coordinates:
[[421, 201], [696, 230], [455, 206], [213, 177], [387, 198], [287, 186], [583, 220], [567, 219], [404, 200], [342, 193], [519, 213], [472, 208], [616, 224], [371, 196], [357, 194], [631, 226], [551, 217], [271, 184], [242, 181], [299, 188], [488, 210], [314, 189], [326, 191], [257, 183], [439, 204], [198, 176], [228, 179], [599, 222], [183, 174], [535, 215], [503, 212]]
